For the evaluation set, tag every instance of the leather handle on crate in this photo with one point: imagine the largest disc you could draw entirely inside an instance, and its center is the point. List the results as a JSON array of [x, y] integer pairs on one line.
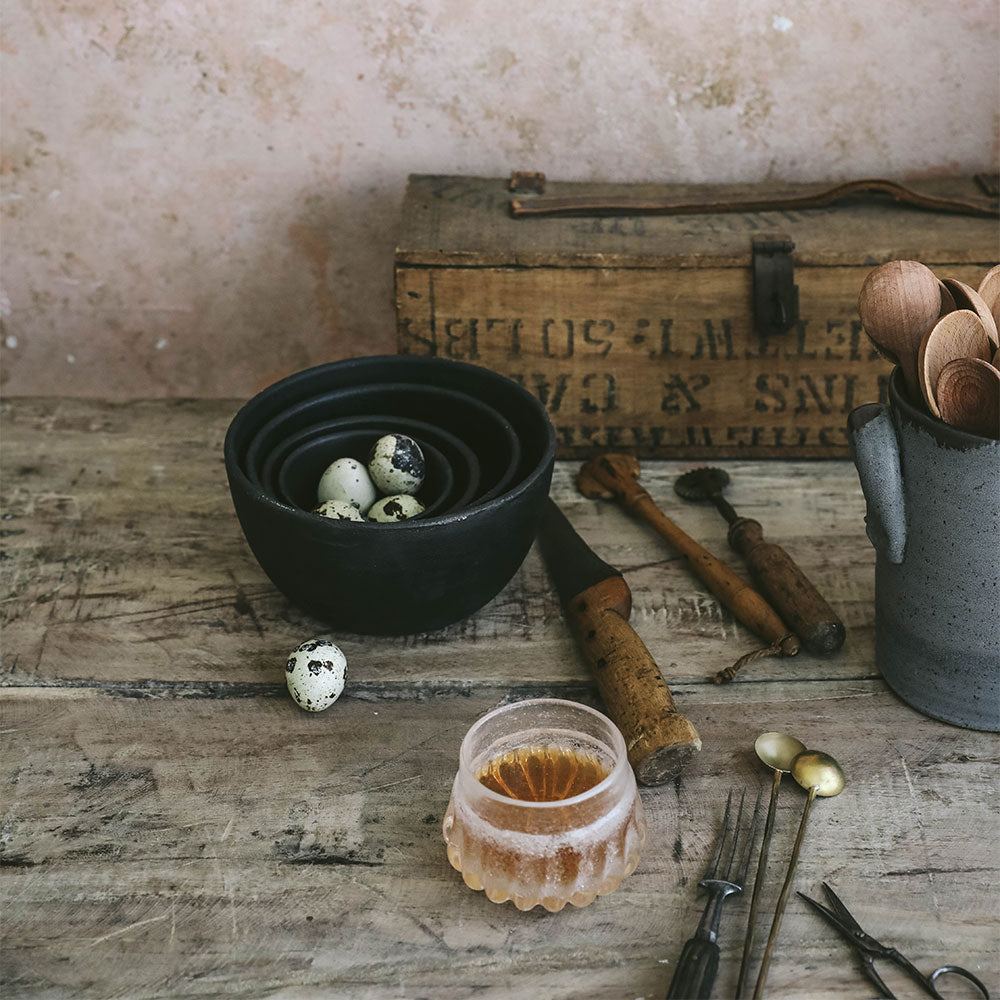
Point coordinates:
[[799, 197]]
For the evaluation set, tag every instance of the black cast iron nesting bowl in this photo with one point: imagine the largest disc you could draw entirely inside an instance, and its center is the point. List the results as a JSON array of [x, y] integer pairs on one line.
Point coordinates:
[[411, 576], [463, 463], [497, 442]]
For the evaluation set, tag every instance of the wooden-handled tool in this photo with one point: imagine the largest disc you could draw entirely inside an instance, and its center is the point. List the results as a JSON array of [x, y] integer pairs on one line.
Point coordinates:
[[780, 580], [617, 477], [598, 603]]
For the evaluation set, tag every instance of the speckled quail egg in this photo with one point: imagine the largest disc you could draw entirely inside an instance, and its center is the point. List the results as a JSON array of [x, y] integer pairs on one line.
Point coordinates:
[[315, 674], [398, 507], [347, 479], [396, 464], [339, 510]]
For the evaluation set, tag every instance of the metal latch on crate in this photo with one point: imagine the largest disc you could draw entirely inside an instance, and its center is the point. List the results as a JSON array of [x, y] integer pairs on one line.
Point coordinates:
[[775, 294]]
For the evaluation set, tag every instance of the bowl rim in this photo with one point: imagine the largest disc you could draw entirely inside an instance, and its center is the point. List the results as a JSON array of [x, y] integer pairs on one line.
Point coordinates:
[[415, 428], [498, 420], [255, 494]]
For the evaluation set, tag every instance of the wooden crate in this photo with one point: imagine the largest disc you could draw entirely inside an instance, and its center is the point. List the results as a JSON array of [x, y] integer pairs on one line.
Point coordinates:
[[638, 332]]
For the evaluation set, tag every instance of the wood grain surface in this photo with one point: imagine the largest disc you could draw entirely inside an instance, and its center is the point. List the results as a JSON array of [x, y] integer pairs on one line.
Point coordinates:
[[174, 826]]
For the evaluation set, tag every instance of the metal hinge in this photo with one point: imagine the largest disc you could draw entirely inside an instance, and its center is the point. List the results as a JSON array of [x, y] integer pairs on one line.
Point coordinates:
[[526, 182], [775, 294]]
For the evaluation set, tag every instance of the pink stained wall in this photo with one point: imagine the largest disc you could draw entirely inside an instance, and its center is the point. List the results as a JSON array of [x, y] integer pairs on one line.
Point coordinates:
[[201, 197]]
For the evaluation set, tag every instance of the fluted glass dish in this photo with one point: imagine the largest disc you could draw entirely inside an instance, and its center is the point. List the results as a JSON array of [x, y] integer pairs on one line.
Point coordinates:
[[554, 843]]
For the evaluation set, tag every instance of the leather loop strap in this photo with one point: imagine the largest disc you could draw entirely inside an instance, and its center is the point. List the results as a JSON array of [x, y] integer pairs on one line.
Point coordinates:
[[805, 196]]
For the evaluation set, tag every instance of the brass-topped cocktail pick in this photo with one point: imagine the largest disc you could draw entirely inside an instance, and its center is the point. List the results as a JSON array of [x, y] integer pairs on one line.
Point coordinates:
[[777, 751], [822, 776]]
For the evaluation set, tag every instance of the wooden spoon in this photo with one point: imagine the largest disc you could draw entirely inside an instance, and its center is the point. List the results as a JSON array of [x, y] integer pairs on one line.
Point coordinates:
[[968, 393], [960, 334], [989, 291], [947, 300], [968, 298], [899, 302]]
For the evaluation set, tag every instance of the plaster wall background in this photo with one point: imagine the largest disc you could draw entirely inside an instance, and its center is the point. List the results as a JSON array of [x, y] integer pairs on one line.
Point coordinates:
[[201, 197]]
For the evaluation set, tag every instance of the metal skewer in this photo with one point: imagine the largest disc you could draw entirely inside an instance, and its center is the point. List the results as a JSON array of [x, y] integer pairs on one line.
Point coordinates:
[[777, 751]]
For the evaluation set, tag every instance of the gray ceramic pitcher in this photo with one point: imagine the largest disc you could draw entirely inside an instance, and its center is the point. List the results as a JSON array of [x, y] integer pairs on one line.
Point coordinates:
[[933, 496]]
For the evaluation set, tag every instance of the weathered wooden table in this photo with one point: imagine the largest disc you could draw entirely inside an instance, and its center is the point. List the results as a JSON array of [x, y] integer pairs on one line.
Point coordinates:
[[174, 826]]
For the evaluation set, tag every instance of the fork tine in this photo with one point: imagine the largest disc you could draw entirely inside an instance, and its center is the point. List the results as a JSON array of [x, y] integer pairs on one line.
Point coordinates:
[[742, 876], [736, 837], [699, 961], [722, 838]]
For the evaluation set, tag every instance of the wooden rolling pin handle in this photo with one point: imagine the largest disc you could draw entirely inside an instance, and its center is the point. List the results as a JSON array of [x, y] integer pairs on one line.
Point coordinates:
[[787, 588], [616, 476], [739, 597], [659, 739]]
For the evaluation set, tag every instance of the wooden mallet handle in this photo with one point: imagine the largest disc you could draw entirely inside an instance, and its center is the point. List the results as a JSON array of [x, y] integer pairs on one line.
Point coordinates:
[[617, 477], [788, 589], [659, 739]]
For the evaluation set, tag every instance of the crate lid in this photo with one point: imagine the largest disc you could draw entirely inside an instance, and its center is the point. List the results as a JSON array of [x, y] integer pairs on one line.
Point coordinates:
[[466, 222]]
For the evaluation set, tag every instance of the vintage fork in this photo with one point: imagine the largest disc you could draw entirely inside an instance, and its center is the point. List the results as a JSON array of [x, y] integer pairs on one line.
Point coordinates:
[[699, 961]]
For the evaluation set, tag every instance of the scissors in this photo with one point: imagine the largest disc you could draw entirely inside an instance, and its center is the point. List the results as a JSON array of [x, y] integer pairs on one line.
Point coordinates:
[[869, 949]]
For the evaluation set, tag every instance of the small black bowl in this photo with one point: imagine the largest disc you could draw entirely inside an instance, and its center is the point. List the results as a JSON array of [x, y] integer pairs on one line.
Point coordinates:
[[458, 455], [487, 432], [411, 576], [300, 472]]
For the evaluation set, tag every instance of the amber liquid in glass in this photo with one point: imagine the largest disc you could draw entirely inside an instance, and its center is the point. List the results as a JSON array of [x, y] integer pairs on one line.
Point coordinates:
[[543, 773], [532, 833]]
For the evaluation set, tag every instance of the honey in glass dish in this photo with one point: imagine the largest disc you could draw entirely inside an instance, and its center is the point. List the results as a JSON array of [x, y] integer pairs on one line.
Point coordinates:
[[543, 773], [544, 809]]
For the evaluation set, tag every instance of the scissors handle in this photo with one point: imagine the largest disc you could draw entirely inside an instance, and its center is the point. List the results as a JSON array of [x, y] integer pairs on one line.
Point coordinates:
[[929, 982], [957, 970]]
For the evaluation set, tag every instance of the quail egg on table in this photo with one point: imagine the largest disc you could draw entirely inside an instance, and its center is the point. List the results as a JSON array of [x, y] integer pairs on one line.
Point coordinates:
[[399, 507], [315, 674], [347, 479], [339, 510], [396, 464]]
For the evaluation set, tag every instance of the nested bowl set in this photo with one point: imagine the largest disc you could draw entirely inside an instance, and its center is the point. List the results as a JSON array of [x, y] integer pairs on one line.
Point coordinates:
[[488, 447]]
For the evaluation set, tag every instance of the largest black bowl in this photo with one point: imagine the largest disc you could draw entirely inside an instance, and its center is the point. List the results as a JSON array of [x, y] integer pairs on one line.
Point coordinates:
[[394, 579]]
